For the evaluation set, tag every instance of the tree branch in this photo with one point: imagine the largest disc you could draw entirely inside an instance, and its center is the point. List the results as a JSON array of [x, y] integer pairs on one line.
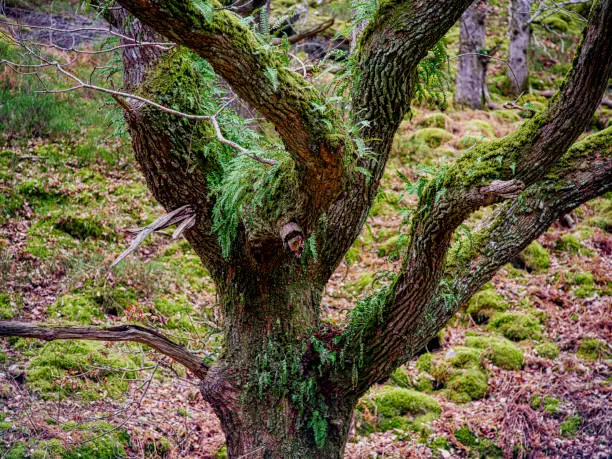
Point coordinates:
[[257, 75], [133, 333], [520, 158]]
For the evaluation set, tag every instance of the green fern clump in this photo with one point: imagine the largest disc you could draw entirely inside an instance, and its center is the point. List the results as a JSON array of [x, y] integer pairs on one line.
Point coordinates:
[[253, 194]]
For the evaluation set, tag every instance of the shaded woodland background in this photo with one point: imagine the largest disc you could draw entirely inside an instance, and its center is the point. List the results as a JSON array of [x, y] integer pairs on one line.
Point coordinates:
[[524, 369]]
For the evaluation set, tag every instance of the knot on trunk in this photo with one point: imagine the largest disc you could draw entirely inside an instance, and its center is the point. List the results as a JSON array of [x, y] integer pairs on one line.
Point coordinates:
[[506, 189], [293, 238]]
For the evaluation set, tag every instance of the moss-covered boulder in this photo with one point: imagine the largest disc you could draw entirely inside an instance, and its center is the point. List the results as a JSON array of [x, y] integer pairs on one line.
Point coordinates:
[[516, 326], [502, 353], [432, 137], [486, 303], [467, 385], [535, 257], [479, 128], [398, 407]]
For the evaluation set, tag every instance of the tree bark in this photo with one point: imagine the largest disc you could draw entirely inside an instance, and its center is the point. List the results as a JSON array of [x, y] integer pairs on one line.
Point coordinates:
[[519, 33], [471, 68]]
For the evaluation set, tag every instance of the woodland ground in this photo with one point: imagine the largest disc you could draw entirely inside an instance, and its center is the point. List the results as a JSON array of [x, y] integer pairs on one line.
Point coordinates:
[[538, 382]]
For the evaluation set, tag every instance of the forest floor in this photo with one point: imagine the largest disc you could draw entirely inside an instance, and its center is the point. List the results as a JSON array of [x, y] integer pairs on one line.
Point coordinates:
[[539, 386]]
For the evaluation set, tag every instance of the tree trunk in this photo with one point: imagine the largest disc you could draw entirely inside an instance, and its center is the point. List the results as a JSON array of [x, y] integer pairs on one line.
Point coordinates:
[[470, 69], [519, 34], [270, 390]]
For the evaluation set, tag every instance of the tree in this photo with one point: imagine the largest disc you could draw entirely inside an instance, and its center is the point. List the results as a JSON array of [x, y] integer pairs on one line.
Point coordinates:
[[273, 219], [519, 32], [471, 68]]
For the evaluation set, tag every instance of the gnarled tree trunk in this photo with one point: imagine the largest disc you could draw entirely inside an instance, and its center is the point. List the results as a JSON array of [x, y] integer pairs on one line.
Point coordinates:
[[286, 383]]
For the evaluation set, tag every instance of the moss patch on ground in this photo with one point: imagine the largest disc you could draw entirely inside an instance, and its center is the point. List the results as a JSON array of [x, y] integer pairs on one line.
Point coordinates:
[[516, 326], [89, 370]]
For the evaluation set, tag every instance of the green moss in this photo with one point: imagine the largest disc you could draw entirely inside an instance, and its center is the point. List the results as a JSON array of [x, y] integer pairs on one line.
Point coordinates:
[[483, 447], [479, 128], [484, 304], [516, 326], [466, 437], [390, 246], [76, 308], [547, 350], [592, 349], [468, 141], [397, 401], [464, 357], [507, 116], [555, 22], [87, 369], [502, 353], [467, 385], [357, 286], [424, 362], [17, 451], [432, 137], [439, 443], [535, 257], [84, 227], [101, 440], [550, 404], [401, 378], [424, 383], [586, 284], [399, 408], [8, 307], [436, 120], [536, 402], [571, 244], [157, 447], [570, 426], [221, 453]]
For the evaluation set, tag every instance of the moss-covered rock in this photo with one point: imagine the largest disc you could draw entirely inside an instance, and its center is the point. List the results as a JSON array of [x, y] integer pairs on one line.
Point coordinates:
[[502, 353], [547, 350], [467, 385], [464, 357], [556, 22], [479, 128], [484, 304], [424, 362], [535, 257], [397, 407], [468, 141], [516, 326], [432, 137], [592, 349]]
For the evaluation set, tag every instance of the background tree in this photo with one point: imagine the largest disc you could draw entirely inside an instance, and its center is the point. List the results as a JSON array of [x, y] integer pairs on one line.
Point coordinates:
[[519, 32], [471, 68], [271, 218]]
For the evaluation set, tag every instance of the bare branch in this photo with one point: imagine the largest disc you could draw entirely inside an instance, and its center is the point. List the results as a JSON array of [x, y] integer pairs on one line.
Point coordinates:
[[134, 333]]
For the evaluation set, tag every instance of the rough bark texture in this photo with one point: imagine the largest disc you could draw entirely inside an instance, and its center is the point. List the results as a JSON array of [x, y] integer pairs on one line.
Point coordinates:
[[519, 34], [471, 68], [286, 384]]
